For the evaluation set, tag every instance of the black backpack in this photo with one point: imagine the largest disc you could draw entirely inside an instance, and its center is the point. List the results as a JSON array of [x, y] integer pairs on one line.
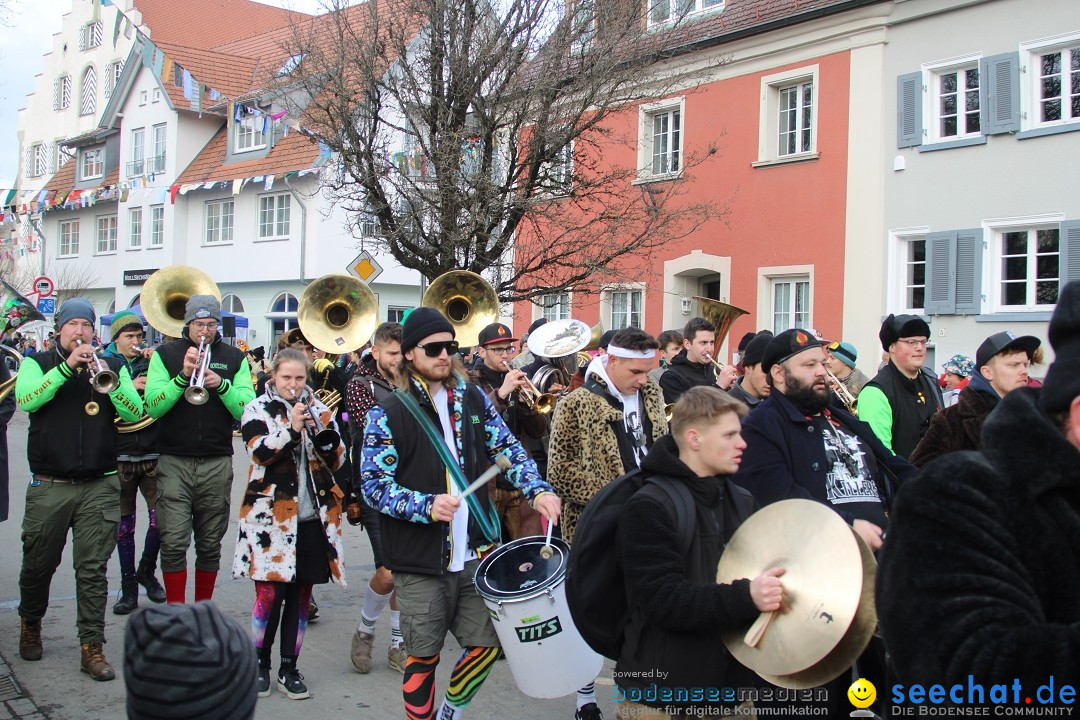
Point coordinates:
[[595, 589]]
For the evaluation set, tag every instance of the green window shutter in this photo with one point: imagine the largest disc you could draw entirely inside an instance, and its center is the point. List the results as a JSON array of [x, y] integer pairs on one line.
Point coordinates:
[[999, 82], [909, 93], [969, 252], [940, 271], [1070, 251]]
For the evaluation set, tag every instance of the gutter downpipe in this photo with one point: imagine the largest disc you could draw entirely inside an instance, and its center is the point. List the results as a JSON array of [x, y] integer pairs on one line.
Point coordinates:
[[303, 228]]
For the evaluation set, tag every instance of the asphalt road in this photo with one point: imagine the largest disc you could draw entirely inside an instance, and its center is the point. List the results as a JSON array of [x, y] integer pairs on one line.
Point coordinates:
[[61, 692]]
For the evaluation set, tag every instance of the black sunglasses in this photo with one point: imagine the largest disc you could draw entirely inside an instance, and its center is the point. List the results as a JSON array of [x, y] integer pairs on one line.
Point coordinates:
[[435, 349]]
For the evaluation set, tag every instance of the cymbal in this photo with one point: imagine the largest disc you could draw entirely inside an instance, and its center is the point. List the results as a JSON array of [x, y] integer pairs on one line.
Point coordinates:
[[826, 581]]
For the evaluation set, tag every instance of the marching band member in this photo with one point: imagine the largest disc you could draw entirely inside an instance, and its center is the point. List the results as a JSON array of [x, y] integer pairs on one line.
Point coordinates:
[[72, 453], [419, 447], [694, 366], [753, 386], [841, 363], [195, 467], [289, 536], [137, 469]]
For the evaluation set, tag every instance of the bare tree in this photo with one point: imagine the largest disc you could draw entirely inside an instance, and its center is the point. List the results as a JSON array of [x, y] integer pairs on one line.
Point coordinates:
[[72, 279], [503, 105]]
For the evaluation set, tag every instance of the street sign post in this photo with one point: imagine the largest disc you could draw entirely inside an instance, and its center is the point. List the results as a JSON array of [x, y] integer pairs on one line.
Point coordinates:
[[44, 286], [47, 306]]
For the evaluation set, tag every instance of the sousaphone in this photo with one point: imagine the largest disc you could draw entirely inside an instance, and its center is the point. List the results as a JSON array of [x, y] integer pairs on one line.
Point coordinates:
[[337, 313], [165, 295], [467, 300], [827, 616], [720, 315]]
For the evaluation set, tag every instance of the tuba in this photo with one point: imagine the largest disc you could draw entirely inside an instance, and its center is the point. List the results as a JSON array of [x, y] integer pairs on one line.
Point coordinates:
[[166, 293], [467, 300], [721, 316]]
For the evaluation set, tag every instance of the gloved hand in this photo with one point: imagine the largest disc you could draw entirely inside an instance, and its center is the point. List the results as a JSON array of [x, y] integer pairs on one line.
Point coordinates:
[[322, 365]]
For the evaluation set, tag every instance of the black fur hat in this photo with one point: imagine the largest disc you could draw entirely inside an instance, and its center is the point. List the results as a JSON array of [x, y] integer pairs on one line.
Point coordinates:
[[1062, 382]]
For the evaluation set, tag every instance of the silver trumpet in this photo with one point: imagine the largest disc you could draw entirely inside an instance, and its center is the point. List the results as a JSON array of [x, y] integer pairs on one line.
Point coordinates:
[[103, 380], [196, 394], [322, 436]]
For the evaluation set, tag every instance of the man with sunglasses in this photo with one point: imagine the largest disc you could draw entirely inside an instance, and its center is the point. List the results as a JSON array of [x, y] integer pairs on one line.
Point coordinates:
[[420, 447], [903, 397]]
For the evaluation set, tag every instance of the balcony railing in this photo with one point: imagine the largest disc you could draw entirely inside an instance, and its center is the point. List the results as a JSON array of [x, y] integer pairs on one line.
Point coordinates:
[[149, 166]]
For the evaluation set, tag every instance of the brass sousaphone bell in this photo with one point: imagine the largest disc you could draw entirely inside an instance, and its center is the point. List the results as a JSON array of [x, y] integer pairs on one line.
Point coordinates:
[[827, 616], [721, 316], [165, 295], [467, 300]]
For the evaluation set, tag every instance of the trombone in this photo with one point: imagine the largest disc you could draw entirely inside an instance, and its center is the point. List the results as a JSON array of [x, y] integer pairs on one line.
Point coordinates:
[[846, 397], [103, 380], [196, 394]]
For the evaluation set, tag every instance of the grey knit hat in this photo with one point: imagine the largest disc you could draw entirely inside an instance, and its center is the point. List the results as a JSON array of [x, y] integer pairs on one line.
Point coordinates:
[[188, 661], [200, 307], [75, 309]]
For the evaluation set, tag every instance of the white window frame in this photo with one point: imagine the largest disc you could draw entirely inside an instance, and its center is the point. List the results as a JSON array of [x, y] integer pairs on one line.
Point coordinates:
[[279, 227], [646, 114], [771, 87], [768, 276], [248, 133], [1030, 85], [39, 159], [932, 76], [64, 92], [97, 170], [157, 227], [994, 230], [216, 231], [664, 13], [106, 234], [607, 305], [69, 239], [61, 155], [138, 152], [156, 95], [159, 135], [232, 303], [88, 91], [555, 306], [900, 241], [559, 174], [135, 228], [90, 35]]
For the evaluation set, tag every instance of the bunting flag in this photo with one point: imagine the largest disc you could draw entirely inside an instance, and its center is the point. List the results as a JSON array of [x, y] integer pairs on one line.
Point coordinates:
[[166, 69], [116, 28], [189, 85], [159, 62]]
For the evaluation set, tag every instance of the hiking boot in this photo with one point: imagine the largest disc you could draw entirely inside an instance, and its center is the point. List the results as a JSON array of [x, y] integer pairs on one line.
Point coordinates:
[[94, 662], [263, 682], [312, 611], [29, 639], [588, 711], [129, 597], [397, 657], [292, 684], [154, 591], [360, 654]]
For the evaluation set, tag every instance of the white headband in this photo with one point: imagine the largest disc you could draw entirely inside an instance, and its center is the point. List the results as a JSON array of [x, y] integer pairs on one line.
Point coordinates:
[[632, 354]]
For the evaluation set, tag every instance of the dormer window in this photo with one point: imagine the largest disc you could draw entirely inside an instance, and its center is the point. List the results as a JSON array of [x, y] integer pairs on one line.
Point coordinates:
[[291, 64], [249, 134], [665, 12], [91, 163]]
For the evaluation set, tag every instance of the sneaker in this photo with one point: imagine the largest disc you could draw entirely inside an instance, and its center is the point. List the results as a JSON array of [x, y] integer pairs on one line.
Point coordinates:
[[29, 639], [312, 611], [94, 662], [263, 682], [360, 654], [588, 711], [292, 684], [397, 657]]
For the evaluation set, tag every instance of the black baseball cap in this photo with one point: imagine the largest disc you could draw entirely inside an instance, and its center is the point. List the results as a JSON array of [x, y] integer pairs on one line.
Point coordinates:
[[787, 345], [496, 332], [1002, 341]]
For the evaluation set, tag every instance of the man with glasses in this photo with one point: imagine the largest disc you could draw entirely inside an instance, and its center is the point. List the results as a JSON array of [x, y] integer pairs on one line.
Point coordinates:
[[421, 446], [196, 445], [902, 398]]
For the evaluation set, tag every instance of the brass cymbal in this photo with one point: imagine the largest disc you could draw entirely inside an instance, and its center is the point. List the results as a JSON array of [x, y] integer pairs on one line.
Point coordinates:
[[826, 581]]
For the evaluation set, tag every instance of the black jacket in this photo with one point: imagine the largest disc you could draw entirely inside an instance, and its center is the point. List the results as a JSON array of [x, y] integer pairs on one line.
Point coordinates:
[[980, 571], [739, 393], [910, 417], [678, 611], [681, 375], [7, 409], [527, 425], [958, 427]]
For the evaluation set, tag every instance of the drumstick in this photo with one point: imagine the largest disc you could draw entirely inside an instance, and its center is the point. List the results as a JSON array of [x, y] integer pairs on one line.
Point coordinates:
[[757, 630], [501, 463], [546, 552]]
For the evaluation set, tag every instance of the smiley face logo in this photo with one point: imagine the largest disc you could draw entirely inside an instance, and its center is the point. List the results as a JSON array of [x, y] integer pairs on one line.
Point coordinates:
[[862, 693]]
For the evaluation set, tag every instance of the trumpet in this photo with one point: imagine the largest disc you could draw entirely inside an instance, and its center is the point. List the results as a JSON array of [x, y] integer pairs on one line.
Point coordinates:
[[532, 398], [103, 380], [719, 365], [196, 394], [846, 397], [323, 436]]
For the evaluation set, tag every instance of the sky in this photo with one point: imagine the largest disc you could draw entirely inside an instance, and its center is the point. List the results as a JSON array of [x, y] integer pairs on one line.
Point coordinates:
[[25, 37]]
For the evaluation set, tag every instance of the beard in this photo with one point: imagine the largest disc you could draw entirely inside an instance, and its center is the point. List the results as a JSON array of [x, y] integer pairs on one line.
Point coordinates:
[[807, 398]]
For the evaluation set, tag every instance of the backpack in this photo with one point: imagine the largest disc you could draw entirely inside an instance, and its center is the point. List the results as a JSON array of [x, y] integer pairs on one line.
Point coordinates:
[[595, 589]]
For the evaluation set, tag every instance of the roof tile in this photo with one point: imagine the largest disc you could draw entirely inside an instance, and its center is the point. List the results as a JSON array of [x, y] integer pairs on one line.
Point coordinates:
[[293, 152]]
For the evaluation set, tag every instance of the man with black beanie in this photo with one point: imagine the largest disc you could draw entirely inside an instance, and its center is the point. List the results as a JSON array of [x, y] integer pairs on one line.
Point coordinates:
[[195, 467], [980, 573], [753, 386]]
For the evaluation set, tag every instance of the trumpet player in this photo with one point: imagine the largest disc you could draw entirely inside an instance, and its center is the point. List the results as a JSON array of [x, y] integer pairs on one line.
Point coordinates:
[[696, 364], [195, 465], [841, 363], [753, 386], [72, 455]]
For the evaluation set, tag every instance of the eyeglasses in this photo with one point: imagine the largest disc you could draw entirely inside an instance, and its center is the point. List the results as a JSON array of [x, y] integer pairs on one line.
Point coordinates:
[[501, 350], [435, 349], [913, 343], [204, 324]]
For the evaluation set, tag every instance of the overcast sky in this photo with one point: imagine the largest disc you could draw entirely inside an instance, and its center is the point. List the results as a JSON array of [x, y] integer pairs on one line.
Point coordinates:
[[24, 40]]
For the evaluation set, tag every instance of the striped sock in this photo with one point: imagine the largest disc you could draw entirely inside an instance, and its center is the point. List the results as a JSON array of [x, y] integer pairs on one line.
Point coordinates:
[[468, 675], [418, 687], [396, 638], [586, 695]]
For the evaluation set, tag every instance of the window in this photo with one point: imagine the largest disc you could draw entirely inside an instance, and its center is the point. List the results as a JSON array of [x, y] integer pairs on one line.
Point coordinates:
[[138, 151], [787, 117], [157, 225], [39, 159], [660, 130], [956, 103], [273, 217], [135, 228], [914, 250], [113, 71], [584, 25], [106, 234], [93, 163], [796, 119], [662, 12], [88, 90], [157, 95], [219, 221], [282, 316], [790, 304], [249, 134], [557, 176], [62, 93], [555, 306], [157, 160], [369, 224], [1028, 268], [396, 314], [62, 155], [1058, 92], [625, 309], [90, 35], [69, 238], [232, 304]]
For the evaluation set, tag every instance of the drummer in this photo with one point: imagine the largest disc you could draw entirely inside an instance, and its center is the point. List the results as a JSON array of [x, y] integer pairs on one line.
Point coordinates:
[[433, 541], [798, 446]]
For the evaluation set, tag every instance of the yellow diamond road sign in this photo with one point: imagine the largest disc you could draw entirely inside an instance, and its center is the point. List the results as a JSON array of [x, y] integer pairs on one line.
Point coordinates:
[[365, 267]]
